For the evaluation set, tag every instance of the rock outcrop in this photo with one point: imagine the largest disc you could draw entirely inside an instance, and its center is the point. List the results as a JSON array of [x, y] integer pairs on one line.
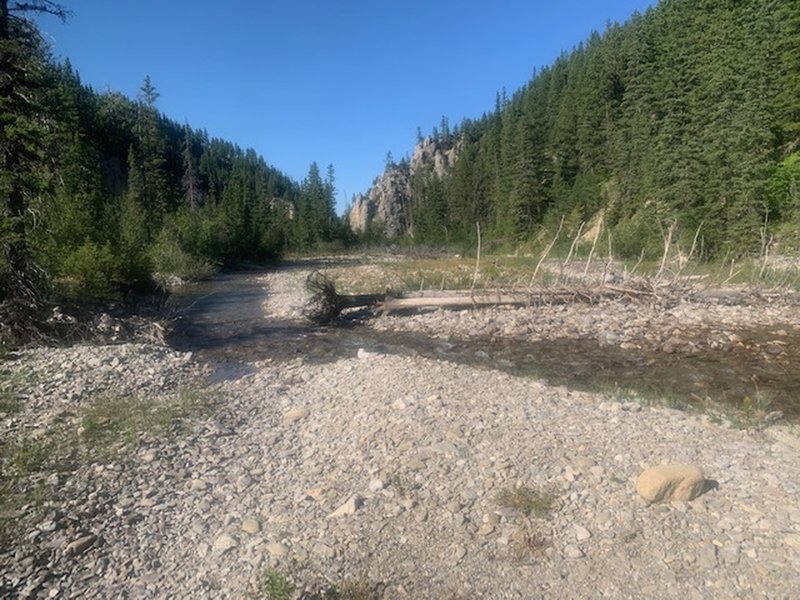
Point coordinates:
[[388, 202]]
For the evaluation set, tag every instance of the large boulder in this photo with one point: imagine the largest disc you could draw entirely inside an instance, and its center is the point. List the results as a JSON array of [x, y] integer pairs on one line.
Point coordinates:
[[665, 483]]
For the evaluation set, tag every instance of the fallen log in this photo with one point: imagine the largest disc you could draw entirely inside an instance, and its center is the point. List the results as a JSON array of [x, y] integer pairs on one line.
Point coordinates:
[[468, 299], [325, 304]]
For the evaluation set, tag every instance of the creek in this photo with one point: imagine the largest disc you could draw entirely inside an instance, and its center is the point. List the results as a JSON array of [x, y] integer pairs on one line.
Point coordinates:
[[222, 321]]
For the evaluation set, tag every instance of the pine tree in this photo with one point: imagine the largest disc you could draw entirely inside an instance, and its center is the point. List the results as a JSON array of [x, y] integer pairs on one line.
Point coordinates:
[[23, 169], [151, 145], [190, 180]]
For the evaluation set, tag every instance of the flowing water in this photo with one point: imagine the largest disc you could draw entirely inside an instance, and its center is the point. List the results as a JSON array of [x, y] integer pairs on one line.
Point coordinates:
[[222, 321]]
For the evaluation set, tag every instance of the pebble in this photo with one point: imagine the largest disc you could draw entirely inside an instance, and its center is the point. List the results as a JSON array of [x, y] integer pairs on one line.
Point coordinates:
[[251, 526], [224, 543], [277, 550], [707, 556], [348, 508], [278, 469], [81, 545], [581, 533], [295, 413]]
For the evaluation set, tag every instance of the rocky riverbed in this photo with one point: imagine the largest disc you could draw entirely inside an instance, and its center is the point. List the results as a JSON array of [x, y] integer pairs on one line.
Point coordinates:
[[392, 476]]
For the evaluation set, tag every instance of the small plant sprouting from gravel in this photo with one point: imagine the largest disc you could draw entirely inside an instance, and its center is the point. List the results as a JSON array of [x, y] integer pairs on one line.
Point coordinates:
[[109, 429], [275, 586], [525, 500], [527, 543], [360, 589], [9, 401], [116, 423], [9, 404]]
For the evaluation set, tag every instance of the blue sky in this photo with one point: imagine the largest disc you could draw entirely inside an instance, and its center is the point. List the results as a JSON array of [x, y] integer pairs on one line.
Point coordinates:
[[336, 81]]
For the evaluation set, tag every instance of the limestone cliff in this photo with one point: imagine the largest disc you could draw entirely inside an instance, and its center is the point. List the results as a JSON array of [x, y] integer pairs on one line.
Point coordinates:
[[388, 202]]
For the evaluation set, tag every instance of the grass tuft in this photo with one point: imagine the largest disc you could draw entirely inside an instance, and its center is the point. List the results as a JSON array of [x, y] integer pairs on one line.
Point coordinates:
[[115, 424], [526, 500], [275, 586]]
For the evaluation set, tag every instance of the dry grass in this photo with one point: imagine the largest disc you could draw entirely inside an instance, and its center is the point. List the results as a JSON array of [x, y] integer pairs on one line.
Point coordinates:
[[452, 272], [525, 500]]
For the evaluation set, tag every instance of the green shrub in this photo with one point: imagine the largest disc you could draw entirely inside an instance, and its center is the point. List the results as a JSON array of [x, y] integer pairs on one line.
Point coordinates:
[[635, 235], [90, 270], [169, 258]]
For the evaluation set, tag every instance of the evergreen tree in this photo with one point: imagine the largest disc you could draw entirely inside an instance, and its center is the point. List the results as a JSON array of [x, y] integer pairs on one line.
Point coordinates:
[[152, 146], [23, 168], [190, 180]]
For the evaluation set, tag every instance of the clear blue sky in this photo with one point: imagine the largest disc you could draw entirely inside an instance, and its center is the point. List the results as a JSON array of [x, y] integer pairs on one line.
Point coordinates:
[[331, 81]]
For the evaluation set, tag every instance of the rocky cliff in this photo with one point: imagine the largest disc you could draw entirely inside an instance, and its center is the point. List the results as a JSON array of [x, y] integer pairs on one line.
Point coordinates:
[[388, 202]]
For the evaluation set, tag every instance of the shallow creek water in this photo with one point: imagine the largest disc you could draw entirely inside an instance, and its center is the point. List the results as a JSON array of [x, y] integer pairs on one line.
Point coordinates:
[[223, 322]]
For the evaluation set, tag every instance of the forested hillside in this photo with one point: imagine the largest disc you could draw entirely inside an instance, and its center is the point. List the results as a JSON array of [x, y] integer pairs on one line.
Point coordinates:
[[100, 191], [687, 114]]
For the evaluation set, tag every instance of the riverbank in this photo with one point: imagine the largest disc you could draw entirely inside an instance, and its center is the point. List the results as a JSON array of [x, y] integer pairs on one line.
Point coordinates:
[[392, 475]]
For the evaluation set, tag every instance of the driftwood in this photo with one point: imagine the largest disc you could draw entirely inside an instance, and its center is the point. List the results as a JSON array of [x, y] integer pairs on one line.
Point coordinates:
[[325, 304]]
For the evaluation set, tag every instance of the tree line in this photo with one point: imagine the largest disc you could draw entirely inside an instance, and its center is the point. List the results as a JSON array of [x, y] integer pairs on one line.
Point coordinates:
[[687, 114], [98, 191]]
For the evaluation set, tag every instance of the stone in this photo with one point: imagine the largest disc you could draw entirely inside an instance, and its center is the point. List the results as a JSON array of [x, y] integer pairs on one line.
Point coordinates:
[[80, 545], [324, 550], [277, 550], [707, 556], [243, 482], [202, 550], [572, 551], [664, 483], [792, 540], [223, 543], [251, 526], [457, 553], [295, 413], [581, 533], [197, 485], [348, 508], [375, 485]]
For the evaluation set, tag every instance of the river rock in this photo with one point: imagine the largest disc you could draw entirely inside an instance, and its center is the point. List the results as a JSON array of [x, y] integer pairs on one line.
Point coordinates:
[[277, 550], [295, 413], [81, 545], [223, 543], [348, 508], [664, 483], [251, 526]]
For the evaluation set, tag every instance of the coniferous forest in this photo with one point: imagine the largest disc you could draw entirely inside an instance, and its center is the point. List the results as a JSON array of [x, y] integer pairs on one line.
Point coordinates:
[[100, 191], [688, 114]]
